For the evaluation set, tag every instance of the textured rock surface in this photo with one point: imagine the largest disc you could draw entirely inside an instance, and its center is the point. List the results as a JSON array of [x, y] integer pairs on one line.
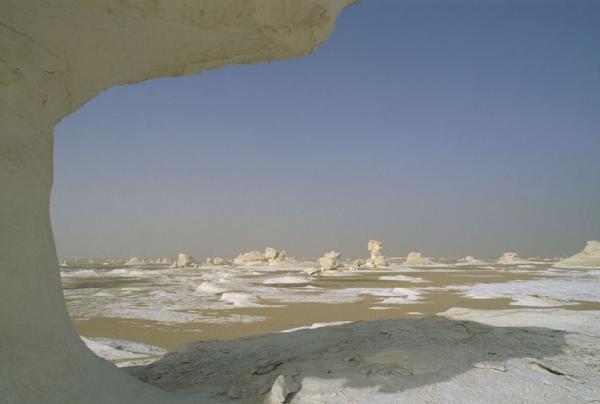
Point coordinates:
[[509, 258], [54, 56], [330, 261], [184, 261], [589, 257], [416, 259], [517, 356], [249, 258], [377, 258]]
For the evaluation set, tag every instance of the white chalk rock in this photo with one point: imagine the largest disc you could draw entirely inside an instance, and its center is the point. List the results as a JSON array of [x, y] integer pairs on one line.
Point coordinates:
[[55, 57], [217, 261], [416, 259], [509, 258], [276, 257], [589, 257], [283, 387], [250, 258], [330, 261], [377, 258], [184, 261]]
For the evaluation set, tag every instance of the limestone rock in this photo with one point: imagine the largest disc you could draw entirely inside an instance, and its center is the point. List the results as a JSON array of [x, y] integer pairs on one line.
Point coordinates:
[[509, 258], [282, 389], [589, 257], [184, 261], [216, 261], [277, 257], [250, 258], [330, 261], [416, 259], [377, 258]]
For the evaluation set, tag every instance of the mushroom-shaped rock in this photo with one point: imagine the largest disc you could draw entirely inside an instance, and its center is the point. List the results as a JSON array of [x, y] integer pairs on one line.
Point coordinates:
[[589, 257], [54, 57], [330, 261]]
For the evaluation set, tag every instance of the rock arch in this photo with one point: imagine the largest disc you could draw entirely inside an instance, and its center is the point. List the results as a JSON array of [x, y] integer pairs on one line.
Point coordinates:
[[54, 56]]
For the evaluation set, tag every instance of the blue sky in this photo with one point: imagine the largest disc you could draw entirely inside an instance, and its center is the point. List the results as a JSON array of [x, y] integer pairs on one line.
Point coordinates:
[[454, 127]]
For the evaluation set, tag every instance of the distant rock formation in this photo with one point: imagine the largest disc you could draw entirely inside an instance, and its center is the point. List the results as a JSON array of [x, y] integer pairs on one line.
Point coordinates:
[[275, 256], [217, 261], [330, 261], [184, 261], [509, 258], [416, 259], [469, 260], [135, 261], [271, 256], [250, 258], [377, 258], [589, 257]]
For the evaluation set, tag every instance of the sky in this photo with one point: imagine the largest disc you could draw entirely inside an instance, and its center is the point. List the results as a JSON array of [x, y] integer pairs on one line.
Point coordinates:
[[450, 127]]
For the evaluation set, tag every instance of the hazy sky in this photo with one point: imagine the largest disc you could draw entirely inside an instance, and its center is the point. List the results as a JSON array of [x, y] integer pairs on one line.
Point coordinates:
[[447, 127]]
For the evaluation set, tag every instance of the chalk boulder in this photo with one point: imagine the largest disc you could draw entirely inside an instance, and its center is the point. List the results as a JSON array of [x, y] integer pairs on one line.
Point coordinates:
[[416, 259], [184, 261], [250, 258], [282, 390], [330, 261], [217, 261], [589, 257], [509, 258], [377, 258], [276, 257]]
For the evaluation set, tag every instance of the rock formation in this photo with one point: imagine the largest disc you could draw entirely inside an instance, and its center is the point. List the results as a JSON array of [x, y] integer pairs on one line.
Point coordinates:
[[271, 256], [377, 258], [589, 257], [469, 260], [330, 261], [54, 57], [250, 258], [275, 256], [509, 258], [135, 261], [416, 259], [184, 261], [217, 261]]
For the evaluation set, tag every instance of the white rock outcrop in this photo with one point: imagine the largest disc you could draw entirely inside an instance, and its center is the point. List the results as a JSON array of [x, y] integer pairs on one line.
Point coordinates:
[[184, 261], [509, 258], [377, 258], [275, 256], [282, 389], [250, 258], [416, 259], [589, 257], [330, 261], [54, 57], [217, 261]]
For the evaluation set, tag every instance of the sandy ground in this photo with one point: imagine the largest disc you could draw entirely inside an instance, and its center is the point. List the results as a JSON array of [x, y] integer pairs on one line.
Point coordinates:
[[523, 334]]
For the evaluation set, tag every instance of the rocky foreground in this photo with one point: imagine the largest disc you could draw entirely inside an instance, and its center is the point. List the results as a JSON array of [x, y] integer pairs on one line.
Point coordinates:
[[460, 356]]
